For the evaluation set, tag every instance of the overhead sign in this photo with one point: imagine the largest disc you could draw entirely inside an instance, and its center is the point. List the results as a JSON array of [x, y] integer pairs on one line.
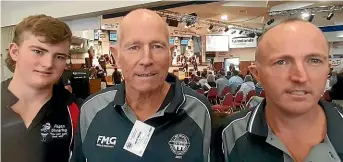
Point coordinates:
[[240, 39], [336, 64]]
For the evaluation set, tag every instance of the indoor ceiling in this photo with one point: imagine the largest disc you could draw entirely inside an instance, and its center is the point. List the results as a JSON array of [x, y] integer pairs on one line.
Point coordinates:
[[251, 14]]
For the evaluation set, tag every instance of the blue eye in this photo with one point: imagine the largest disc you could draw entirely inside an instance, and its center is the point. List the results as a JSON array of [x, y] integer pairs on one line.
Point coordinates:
[[316, 61], [61, 57], [133, 48], [156, 46], [38, 52], [281, 62]]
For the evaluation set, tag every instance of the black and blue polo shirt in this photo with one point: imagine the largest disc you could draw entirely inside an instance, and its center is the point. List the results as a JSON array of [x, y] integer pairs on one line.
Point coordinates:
[[49, 138], [247, 137], [182, 127]]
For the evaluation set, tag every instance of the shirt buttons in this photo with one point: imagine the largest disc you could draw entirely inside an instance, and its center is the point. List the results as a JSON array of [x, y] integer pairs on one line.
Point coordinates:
[[331, 154]]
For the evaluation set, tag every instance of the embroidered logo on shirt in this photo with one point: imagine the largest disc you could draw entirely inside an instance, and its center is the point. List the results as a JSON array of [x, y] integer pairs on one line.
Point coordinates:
[[179, 145], [108, 142], [45, 131], [57, 131]]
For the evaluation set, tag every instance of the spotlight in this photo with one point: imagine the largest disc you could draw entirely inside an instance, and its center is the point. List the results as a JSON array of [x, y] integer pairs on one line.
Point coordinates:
[[270, 21], [188, 24], [210, 27], [251, 35], [233, 32], [310, 18], [226, 29], [330, 16], [305, 15], [240, 32]]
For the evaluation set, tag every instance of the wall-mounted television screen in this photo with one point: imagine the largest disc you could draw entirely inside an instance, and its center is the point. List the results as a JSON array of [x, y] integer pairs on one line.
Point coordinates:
[[184, 42], [113, 36], [171, 41]]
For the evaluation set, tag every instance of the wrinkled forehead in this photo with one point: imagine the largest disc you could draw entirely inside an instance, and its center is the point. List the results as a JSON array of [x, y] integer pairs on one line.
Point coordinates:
[[130, 30]]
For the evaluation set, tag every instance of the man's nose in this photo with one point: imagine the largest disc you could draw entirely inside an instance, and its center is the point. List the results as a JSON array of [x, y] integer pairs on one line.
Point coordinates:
[[146, 57], [47, 61], [299, 73]]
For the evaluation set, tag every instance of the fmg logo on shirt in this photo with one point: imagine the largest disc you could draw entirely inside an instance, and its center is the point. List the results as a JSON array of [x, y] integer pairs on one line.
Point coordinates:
[[104, 141]]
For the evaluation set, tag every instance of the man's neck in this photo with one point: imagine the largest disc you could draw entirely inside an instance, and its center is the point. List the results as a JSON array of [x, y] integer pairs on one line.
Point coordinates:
[[297, 123], [147, 104], [27, 94]]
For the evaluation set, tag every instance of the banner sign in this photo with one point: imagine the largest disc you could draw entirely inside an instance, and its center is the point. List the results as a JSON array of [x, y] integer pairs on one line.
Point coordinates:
[[240, 39]]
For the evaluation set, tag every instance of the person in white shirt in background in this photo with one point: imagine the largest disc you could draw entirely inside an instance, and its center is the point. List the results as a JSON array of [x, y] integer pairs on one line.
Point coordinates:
[[247, 86], [203, 79]]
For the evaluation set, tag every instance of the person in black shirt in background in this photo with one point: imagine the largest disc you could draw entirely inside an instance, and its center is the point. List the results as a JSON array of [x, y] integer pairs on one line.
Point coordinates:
[[38, 118], [116, 76]]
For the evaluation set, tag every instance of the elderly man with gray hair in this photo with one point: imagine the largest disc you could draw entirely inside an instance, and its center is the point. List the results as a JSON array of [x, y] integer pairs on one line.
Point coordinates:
[[248, 85]]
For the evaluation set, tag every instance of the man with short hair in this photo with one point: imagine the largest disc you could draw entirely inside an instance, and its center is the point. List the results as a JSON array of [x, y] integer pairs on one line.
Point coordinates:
[[221, 82], [235, 81], [292, 124], [146, 118], [38, 117]]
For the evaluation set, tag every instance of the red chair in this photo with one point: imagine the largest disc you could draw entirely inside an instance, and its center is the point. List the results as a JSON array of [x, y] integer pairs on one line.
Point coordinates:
[[228, 100], [326, 96], [212, 95], [250, 94], [200, 91], [226, 106], [263, 93], [225, 91], [238, 99]]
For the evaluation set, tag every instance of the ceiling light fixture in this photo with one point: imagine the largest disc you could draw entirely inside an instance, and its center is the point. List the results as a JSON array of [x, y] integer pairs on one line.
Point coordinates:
[[226, 29], [223, 17], [270, 21], [331, 14], [210, 28], [310, 18]]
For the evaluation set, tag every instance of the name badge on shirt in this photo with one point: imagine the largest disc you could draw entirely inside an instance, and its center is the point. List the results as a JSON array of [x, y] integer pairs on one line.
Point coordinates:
[[139, 138]]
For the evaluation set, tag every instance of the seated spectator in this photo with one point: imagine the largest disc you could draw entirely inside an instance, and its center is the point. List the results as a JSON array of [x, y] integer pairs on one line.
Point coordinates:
[[247, 86], [234, 82], [222, 82], [185, 82], [336, 92], [210, 82], [198, 73], [228, 75], [203, 79], [195, 84], [116, 77], [258, 88]]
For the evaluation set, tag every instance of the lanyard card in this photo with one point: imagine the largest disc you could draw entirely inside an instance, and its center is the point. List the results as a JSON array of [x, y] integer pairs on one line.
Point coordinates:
[[139, 138]]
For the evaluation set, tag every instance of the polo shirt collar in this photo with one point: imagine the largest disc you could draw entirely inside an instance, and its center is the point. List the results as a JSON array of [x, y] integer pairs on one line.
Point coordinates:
[[173, 107], [8, 98], [257, 123]]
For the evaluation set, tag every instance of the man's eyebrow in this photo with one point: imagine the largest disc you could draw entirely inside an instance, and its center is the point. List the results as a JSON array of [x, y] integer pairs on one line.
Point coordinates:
[[45, 50], [160, 42], [317, 55], [40, 48]]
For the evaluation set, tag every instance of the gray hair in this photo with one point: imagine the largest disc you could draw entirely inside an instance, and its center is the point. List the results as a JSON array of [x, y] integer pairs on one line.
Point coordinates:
[[248, 78], [210, 78]]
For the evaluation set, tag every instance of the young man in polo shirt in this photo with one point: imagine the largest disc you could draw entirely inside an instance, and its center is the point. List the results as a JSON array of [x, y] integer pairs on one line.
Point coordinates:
[[148, 118], [292, 124], [37, 118]]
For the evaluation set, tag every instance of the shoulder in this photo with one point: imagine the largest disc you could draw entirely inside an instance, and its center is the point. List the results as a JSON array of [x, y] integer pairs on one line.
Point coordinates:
[[235, 125], [194, 97], [102, 97]]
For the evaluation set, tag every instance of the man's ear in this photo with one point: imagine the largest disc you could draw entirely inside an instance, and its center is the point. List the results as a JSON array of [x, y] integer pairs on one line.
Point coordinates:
[[14, 51], [254, 71], [114, 50]]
